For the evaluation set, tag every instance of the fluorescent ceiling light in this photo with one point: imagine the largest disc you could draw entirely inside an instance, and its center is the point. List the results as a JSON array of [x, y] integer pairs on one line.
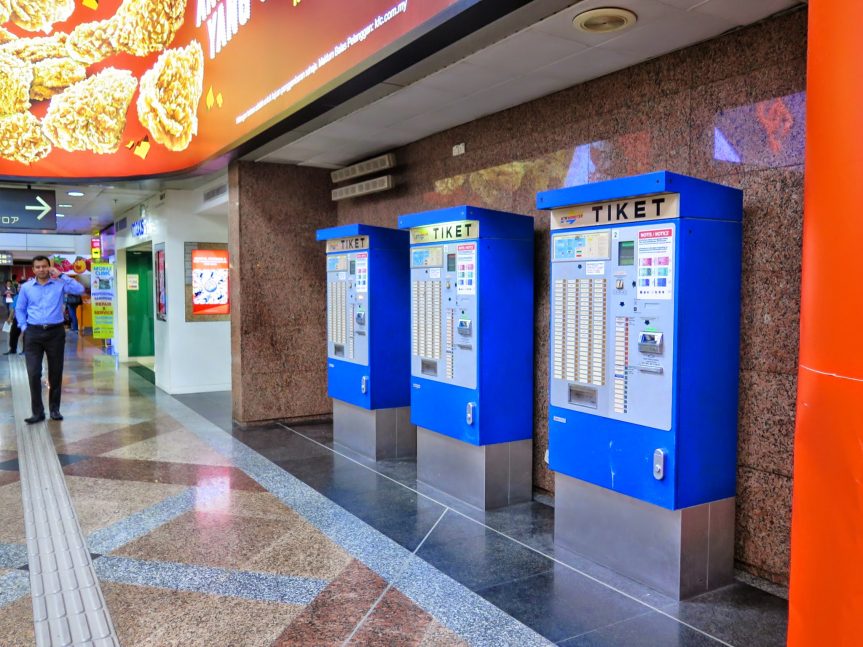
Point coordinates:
[[75, 194]]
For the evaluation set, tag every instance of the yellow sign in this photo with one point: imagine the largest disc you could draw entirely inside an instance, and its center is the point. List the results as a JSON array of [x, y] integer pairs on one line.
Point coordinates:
[[459, 230], [102, 300]]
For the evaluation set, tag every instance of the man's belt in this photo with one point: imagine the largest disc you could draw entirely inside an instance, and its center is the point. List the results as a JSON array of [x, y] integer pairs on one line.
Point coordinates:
[[45, 326]]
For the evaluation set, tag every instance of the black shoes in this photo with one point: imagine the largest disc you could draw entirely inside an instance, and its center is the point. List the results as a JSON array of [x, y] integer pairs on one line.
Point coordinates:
[[32, 420], [9, 352], [55, 415]]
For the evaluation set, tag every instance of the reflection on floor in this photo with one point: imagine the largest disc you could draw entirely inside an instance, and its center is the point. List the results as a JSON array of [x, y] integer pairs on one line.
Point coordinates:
[[203, 534]]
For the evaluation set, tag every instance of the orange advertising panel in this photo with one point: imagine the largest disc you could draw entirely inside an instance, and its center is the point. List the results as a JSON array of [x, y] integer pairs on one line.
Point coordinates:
[[125, 88], [210, 294]]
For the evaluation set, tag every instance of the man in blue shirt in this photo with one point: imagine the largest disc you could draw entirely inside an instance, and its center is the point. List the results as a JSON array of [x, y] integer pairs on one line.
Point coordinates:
[[39, 313]]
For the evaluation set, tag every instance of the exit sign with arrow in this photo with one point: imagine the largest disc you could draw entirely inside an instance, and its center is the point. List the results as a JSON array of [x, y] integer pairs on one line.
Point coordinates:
[[27, 209]]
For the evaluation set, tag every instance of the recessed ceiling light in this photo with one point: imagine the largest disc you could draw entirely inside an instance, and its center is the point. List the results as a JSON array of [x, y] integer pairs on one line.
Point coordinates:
[[75, 194], [65, 206], [604, 20]]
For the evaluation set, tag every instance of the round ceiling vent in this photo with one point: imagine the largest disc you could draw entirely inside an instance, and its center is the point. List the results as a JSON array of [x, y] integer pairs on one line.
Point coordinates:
[[604, 20]]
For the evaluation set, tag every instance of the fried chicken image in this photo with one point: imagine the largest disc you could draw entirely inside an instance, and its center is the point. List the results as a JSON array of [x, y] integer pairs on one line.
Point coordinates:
[[91, 114], [91, 42], [147, 26], [22, 139], [15, 79], [53, 75], [5, 35], [40, 15], [5, 12], [37, 49], [170, 92]]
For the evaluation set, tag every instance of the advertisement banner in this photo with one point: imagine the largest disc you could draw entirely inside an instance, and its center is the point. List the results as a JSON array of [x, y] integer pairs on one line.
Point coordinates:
[[210, 282], [161, 292], [102, 300], [124, 88]]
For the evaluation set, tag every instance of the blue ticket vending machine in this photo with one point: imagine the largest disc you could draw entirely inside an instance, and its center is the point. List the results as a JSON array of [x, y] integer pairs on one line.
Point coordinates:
[[471, 347], [368, 361], [643, 376]]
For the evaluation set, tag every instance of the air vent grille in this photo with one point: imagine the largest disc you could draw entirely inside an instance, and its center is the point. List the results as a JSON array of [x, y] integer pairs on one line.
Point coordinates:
[[374, 165], [215, 192], [376, 185]]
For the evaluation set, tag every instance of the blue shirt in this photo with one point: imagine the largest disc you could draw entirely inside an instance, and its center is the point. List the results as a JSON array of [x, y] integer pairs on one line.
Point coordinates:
[[43, 304]]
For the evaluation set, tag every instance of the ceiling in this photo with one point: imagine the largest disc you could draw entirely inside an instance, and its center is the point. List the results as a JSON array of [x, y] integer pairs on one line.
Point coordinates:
[[534, 59], [530, 53]]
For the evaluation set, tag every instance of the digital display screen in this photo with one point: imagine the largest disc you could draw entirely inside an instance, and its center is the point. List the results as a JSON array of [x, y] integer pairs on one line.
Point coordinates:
[[353, 269], [427, 257], [626, 252], [450, 262], [145, 87]]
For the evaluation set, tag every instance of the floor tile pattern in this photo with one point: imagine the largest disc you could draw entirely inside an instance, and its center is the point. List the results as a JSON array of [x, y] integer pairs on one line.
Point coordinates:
[[206, 534]]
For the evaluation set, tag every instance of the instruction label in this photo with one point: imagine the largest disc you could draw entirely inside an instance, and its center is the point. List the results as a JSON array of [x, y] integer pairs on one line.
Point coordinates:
[[466, 269], [656, 263]]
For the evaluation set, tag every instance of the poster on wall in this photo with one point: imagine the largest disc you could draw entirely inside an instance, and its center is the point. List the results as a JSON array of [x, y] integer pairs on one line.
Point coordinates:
[[161, 294], [126, 88], [102, 300], [208, 282]]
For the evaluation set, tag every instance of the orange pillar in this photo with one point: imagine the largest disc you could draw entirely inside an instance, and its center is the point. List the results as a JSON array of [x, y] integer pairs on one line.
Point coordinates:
[[826, 592]]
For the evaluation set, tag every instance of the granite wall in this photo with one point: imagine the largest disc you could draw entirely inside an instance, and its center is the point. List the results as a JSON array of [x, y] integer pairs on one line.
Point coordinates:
[[730, 110], [278, 320]]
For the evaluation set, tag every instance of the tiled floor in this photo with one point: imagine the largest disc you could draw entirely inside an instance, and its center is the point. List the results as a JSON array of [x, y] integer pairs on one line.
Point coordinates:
[[206, 534]]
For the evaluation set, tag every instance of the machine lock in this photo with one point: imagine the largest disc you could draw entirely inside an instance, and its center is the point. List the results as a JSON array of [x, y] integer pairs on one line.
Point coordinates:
[[469, 413], [659, 464], [364, 384]]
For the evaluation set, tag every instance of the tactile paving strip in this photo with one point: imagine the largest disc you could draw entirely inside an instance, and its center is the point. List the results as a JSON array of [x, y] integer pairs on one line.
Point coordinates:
[[68, 605]]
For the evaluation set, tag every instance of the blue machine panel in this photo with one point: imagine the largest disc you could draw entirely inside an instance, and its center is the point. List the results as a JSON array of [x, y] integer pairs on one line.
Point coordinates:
[[367, 316], [645, 308], [471, 323]]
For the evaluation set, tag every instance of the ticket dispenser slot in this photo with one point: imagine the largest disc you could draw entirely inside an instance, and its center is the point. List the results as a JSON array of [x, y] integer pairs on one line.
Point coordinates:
[[650, 343]]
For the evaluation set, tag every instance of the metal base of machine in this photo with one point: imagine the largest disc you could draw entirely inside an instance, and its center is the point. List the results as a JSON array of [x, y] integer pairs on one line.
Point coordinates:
[[680, 553], [486, 476], [377, 434]]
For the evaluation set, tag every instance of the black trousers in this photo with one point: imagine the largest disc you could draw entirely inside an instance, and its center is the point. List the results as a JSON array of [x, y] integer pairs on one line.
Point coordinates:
[[14, 334], [51, 342]]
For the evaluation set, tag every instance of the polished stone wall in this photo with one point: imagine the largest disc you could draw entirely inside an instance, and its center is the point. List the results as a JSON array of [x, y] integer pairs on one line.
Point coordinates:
[[731, 110], [278, 319]]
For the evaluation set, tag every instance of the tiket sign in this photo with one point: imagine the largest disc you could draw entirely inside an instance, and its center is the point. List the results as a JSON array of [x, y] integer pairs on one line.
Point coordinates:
[[654, 207], [348, 244], [461, 230]]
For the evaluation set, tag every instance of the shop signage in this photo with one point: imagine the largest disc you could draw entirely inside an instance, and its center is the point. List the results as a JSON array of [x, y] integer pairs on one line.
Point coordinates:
[[102, 300], [27, 209], [188, 80]]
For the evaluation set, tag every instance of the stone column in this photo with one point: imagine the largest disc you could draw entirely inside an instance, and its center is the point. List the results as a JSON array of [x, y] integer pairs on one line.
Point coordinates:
[[278, 290]]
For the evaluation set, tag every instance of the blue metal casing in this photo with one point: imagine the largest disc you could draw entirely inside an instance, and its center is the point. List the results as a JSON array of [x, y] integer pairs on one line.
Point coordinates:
[[495, 374], [700, 442], [386, 366]]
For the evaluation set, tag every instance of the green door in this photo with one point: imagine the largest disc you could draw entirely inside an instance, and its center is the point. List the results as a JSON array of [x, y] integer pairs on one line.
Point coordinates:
[[139, 295]]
